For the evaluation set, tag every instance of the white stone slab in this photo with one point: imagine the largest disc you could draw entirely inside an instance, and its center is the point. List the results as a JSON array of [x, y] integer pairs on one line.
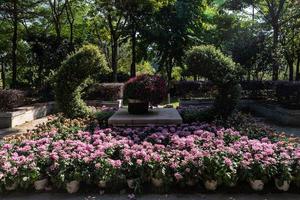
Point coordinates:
[[157, 116], [25, 114]]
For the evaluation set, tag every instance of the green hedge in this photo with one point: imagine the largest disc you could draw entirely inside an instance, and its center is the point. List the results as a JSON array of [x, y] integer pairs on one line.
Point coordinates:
[[74, 72], [207, 61]]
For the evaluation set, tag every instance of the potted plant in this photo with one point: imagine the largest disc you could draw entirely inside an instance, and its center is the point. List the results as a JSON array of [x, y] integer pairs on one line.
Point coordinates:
[[73, 180], [228, 171], [283, 176], [296, 172], [10, 179], [257, 174], [210, 171], [143, 90], [157, 177], [39, 174], [190, 173], [104, 173], [133, 172], [68, 175], [41, 184]]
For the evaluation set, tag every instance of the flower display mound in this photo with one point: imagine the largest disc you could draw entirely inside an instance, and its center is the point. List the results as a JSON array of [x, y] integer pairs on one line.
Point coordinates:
[[142, 90], [186, 155]]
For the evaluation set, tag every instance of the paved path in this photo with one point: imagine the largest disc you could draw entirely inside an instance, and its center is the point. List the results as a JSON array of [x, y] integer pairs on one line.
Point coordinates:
[[289, 130], [294, 131], [22, 128], [63, 196]]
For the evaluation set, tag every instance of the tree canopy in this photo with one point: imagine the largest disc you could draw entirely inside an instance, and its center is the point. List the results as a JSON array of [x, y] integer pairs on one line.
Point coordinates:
[[36, 36]]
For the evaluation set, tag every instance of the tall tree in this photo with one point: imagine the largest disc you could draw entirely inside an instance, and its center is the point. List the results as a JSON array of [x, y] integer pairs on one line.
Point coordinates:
[[16, 11], [290, 37], [57, 8], [114, 22], [136, 12], [170, 33]]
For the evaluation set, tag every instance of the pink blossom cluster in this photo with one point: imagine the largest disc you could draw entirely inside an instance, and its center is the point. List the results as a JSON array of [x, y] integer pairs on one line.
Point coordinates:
[[183, 153]]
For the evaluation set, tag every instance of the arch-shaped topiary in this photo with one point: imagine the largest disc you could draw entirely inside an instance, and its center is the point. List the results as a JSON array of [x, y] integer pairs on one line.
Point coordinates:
[[74, 71], [209, 62]]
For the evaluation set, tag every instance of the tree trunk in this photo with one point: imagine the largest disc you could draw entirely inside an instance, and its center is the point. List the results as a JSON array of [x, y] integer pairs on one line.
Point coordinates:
[[3, 76], [169, 76], [133, 52], [275, 56], [290, 62], [14, 44], [114, 61], [71, 36], [298, 69], [291, 71], [57, 30]]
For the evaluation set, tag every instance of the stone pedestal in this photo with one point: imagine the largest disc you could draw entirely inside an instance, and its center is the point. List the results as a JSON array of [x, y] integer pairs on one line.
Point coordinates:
[[157, 116]]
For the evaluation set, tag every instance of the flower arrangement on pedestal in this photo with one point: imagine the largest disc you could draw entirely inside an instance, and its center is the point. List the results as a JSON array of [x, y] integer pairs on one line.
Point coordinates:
[[142, 90]]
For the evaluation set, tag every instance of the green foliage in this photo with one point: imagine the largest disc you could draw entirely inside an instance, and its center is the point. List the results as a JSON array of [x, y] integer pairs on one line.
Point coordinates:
[[190, 114], [73, 73], [207, 61], [102, 117]]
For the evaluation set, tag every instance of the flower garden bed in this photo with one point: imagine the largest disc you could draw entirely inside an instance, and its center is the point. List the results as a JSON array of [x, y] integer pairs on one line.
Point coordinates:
[[67, 154]]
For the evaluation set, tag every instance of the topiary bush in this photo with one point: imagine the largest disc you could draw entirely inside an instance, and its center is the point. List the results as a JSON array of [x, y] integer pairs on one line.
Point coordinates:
[[73, 73], [207, 61]]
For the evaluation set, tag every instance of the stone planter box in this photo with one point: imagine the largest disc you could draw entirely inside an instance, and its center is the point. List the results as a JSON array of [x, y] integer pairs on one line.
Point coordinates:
[[273, 112], [110, 104], [195, 102], [157, 116], [25, 114]]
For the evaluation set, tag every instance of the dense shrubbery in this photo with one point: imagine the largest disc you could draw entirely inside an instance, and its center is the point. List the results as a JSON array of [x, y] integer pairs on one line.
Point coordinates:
[[186, 155], [147, 88], [105, 91], [258, 89], [192, 114], [207, 61], [10, 99], [189, 89], [288, 94], [75, 71], [284, 92]]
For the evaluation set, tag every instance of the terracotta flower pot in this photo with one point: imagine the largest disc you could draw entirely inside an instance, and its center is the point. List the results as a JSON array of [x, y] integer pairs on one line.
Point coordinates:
[[157, 182], [257, 185], [137, 107], [41, 184], [11, 187], [211, 185], [191, 182], [73, 187], [102, 184], [282, 185], [232, 184], [131, 183]]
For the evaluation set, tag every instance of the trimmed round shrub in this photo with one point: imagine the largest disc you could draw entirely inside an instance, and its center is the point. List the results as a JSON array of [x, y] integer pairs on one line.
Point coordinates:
[[73, 73], [207, 61]]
